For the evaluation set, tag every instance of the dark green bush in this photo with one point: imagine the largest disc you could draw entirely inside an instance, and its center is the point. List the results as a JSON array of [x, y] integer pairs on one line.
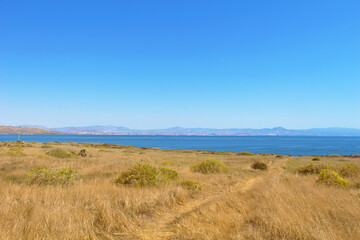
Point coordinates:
[[316, 159], [331, 178], [53, 176], [61, 153], [209, 166], [259, 165], [190, 184]]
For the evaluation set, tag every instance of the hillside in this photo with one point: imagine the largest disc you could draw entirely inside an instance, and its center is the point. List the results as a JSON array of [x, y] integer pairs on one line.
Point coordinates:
[[25, 130]]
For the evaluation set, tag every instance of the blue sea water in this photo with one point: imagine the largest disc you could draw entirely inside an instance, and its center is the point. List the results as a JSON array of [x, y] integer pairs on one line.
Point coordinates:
[[294, 145]]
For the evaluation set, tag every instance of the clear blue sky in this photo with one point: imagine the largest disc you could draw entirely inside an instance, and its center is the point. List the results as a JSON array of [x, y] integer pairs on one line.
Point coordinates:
[[157, 64]]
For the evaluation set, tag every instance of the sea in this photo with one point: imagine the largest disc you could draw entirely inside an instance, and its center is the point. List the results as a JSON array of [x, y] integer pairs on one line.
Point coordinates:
[[293, 145]]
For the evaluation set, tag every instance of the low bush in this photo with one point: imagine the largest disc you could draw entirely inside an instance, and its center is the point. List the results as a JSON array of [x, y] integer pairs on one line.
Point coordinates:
[[313, 169], [188, 151], [190, 184], [53, 176], [141, 175], [331, 178], [265, 154], [167, 174], [246, 154], [316, 159], [43, 156], [61, 153], [146, 175], [215, 152], [209, 166], [349, 170], [259, 165], [168, 163], [82, 153]]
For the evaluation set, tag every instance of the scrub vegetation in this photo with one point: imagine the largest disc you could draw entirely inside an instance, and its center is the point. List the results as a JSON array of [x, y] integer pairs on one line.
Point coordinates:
[[103, 191]]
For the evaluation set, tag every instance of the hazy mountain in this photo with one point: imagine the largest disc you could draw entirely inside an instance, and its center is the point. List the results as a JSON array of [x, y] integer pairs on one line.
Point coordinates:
[[94, 130], [277, 131], [177, 131]]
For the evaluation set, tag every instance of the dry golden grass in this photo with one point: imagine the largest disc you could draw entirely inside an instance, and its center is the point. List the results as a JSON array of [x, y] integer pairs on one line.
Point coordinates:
[[240, 204]]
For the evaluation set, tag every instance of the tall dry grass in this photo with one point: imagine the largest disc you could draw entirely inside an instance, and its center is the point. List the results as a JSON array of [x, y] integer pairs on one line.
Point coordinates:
[[291, 207], [240, 204]]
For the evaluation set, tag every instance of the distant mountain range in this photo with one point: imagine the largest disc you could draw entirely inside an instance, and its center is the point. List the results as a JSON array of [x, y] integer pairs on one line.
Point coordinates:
[[177, 131]]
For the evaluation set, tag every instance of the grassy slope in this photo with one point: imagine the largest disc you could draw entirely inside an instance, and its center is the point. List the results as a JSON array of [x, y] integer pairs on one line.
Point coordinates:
[[241, 204]]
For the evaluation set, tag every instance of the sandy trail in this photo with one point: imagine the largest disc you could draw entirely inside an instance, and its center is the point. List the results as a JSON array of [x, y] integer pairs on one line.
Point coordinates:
[[159, 228]]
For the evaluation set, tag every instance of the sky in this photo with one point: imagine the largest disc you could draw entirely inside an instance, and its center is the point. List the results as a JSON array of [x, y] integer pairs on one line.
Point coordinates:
[[158, 64]]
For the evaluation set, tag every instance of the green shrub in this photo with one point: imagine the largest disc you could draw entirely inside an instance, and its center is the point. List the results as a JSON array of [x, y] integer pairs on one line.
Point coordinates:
[[209, 166], [190, 184], [61, 153], [349, 170], [188, 151], [313, 169], [141, 175], [331, 178], [146, 175], [166, 174], [53, 176], [316, 159], [168, 163], [246, 154], [259, 165]]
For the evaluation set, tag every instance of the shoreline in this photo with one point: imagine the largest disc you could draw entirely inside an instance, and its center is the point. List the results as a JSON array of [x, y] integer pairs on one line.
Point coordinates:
[[215, 152]]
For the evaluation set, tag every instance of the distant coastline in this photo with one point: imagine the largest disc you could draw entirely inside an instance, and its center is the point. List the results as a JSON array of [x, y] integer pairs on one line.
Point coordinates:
[[293, 145], [178, 131]]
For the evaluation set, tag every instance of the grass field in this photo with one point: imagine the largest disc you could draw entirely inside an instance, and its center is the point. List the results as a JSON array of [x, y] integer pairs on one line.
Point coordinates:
[[239, 203]]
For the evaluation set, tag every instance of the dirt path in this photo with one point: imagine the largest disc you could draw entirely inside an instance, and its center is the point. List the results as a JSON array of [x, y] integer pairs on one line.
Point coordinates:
[[159, 228]]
